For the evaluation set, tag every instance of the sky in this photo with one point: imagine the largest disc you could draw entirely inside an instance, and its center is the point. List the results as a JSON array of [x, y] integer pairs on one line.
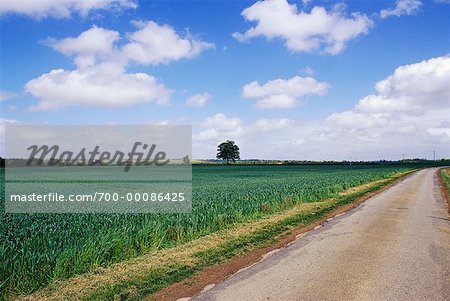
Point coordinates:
[[304, 80]]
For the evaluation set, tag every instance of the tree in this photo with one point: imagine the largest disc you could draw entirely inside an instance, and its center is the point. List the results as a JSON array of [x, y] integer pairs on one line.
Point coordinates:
[[228, 151]]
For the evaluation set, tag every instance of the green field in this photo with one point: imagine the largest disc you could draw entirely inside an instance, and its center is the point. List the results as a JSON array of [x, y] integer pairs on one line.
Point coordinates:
[[38, 248]]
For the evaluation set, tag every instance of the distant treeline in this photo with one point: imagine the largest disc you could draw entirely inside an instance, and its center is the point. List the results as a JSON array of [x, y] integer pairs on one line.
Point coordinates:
[[410, 162], [417, 162]]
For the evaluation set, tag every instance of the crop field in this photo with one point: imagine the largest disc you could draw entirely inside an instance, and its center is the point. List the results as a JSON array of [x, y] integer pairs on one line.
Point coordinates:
[[38, 248]]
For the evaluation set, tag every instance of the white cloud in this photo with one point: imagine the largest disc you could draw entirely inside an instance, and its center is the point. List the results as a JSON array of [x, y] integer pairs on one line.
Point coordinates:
[[408, 114], [62, 8], [354, 119], [160, 44], [101, 78], [272, 124], [198, 100], [220, 126], [256, 138], [221, 122], [442, 132], [412, 88], [402, 8], [94, 41], [91, 46], [410, 93], [209, 134], [317, 30], [283, 93], [99, 85], [5, 95], [150, 44], [4, 122], [381, 104], [223, 127], [277, 101]]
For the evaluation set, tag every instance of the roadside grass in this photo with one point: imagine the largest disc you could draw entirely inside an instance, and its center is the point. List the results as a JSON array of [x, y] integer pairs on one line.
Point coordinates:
[[140, 278], [445, 182], [445, 174]]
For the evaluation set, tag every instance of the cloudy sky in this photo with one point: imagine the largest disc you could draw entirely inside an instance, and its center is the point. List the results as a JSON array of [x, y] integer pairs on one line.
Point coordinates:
[[290, 79]]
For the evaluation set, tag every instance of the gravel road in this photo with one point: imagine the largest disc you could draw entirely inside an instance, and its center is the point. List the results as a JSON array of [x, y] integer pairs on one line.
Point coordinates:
[[395, 246]]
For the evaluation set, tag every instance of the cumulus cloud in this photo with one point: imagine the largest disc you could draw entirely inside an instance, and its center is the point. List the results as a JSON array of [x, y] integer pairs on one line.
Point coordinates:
[[4, 122], [402, 8], [218, 126], [272, 124], [104, 85], [62, 8], [441, 131], [5, 95], [409, 109], [222, 122], [412, 88], [94, 41], [408, 114], [283, 93], [90, 47], [302, 31], [198, 100], [411, 92], [150, 44], [101, 77], [160, 44]]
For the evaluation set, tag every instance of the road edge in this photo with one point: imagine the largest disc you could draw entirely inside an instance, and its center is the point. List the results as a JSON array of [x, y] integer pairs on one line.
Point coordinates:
[[208, 277]]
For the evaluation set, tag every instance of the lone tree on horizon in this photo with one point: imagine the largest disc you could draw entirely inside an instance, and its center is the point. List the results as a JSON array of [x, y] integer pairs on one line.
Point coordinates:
[[228, 151]]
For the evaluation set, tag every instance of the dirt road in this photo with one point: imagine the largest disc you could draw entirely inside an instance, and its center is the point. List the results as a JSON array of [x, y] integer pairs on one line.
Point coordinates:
[[396, 246]]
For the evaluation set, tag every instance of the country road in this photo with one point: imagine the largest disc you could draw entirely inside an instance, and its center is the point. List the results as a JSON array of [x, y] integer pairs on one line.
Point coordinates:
[[395, 246]]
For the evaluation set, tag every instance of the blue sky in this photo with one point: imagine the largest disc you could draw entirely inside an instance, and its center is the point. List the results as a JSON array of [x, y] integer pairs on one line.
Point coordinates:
[[284, 79]]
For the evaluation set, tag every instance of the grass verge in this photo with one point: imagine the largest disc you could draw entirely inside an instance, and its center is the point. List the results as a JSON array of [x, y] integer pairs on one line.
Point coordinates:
[[444, 177], [144, 276]]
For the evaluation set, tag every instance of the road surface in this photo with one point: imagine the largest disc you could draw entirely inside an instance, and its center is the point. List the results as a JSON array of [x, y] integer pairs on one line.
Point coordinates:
[[395, 246]]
